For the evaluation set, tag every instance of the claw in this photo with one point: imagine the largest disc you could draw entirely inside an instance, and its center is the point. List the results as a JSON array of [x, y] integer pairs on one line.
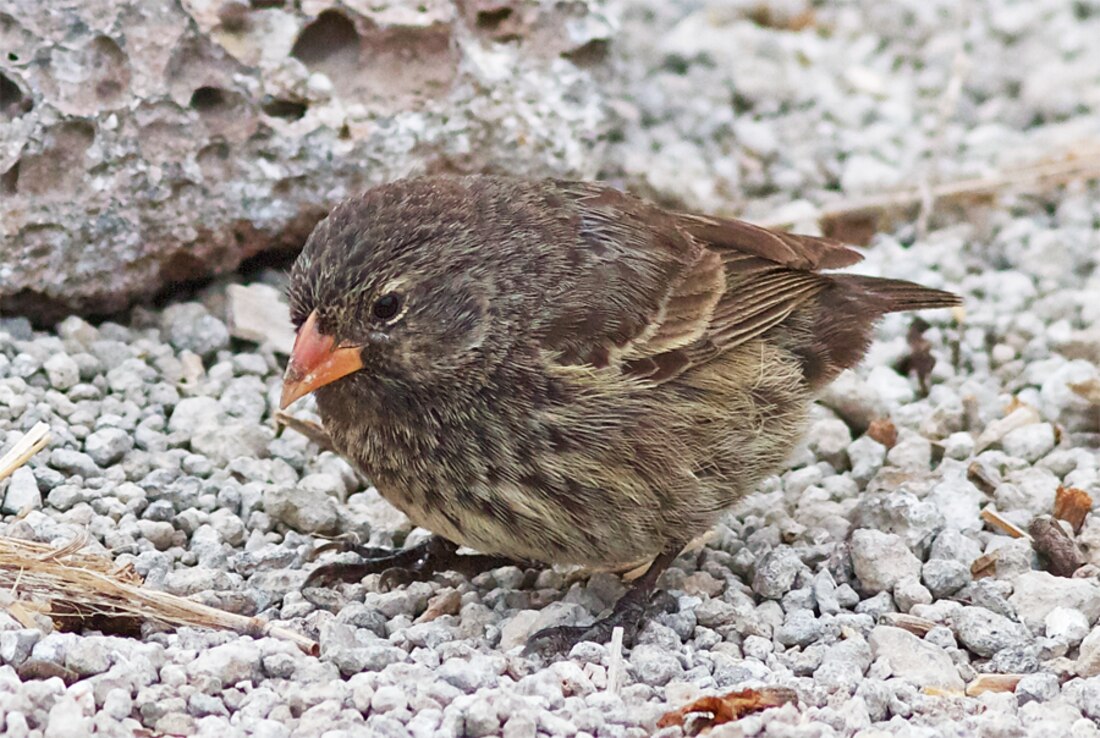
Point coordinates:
[[629, 613], [398, 567]]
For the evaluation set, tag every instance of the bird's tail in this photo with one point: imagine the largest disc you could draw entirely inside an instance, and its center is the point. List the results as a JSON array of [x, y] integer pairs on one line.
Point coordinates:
[[894, 295], [833, 330]]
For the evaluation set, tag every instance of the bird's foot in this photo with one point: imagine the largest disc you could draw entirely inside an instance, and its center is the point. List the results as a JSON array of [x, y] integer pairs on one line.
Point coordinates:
[[400, 566], [629, 613]]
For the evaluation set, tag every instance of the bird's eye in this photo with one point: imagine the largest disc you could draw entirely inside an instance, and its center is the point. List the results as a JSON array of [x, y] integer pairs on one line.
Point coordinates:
[[386, 306]]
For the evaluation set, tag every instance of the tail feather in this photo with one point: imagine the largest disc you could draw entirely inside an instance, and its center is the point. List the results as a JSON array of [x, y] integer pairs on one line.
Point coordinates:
[[832, 332], [895, 295]]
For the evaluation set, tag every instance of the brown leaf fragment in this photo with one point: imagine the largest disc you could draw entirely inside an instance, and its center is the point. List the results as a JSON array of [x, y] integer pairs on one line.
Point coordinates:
[[1072, 505], [985, 565], [714, 711], [1056, 548], [920, 360], [884, 431]]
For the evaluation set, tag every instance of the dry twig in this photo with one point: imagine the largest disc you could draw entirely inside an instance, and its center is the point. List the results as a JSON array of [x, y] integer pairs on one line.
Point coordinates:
[[1055, 547], [313, 431], [916, 625], [994, 520]]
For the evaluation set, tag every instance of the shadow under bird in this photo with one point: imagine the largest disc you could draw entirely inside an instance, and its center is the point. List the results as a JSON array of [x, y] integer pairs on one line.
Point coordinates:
[[558, 372]]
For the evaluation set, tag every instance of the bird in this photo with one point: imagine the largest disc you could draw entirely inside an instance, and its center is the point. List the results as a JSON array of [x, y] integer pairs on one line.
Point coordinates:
[[559, 372]]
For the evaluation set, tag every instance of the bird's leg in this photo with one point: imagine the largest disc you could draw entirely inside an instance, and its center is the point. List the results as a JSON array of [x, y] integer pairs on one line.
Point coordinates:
[[401, 566], [629, 613]]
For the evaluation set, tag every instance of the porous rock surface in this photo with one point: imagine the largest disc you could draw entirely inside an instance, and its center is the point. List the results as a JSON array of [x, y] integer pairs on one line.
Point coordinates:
[[147, 144]]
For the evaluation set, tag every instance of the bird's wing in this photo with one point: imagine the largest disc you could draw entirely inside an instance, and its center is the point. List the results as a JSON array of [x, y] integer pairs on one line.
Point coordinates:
[[661, 291]]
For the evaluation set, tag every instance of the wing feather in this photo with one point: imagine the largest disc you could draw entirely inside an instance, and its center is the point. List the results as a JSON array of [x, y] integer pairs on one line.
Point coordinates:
[[701, 286]]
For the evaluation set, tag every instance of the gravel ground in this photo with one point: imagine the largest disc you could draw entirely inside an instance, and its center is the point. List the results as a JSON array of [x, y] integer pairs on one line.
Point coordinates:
[[847, 577]]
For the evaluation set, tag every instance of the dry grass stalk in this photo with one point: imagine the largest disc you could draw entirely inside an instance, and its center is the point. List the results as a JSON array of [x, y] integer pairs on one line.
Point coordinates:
[[993, 683], [72, 587], [31, 443], [1052, 171], [615, 664]]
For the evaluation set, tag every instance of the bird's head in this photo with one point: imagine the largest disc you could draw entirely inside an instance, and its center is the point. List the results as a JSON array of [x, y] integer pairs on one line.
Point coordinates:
[[393, 291]]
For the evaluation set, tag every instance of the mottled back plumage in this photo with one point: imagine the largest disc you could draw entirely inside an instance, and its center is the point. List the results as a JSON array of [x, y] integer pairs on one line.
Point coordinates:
[[577, 375]]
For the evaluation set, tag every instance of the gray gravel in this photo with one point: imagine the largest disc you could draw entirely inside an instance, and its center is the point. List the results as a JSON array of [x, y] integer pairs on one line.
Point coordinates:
[[847, 577]]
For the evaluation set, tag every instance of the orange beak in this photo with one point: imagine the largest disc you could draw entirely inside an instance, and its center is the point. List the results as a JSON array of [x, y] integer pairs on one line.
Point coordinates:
[[316, 361]]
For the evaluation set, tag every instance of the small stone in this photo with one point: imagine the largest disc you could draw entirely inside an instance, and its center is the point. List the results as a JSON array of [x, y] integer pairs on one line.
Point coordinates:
[[107, 445], [1061, 403], [852, 398], [74, 462], [776, 571], [23, 492], [1067, 625], [912, 452], [1036, 593], [307, 511], [159, 533], [919, 662], [1088, 660], [188, 326], [62, 371], [800, 628], [516, 630], [224, 443], [1031, 442], [654, 665], [829, 439], [194, 413], [469, 675], [953, 544], [866, 456], [958, 446], [945, 577], [1014, 557], [200, 705], [1041, 687], [388, 698], [520, 725], [881, 560], [16, 645], [909, 592], [985, 632]]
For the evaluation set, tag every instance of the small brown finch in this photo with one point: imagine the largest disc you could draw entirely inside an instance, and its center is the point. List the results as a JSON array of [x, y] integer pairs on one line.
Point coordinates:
[[558, 372]]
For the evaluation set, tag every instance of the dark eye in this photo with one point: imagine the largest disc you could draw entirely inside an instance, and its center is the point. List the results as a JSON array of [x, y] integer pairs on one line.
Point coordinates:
[[386, 306]]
